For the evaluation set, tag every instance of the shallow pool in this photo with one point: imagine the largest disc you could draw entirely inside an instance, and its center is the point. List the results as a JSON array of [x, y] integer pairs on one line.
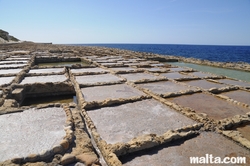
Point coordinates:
[[237, 74]]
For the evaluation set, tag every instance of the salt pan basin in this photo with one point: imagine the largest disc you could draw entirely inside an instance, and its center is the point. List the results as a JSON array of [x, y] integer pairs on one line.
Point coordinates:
[[10, 62], [201, 74], [214, 107], [239, 95], [87, 70], [204, 84], [139, 76], [124, 122], [12, 65], [93, 79], [164, 87], [5, 80], [30, 132], [43, 79], [10, 71], [100, 93], [123, 69], [234, 82], [175, 75], [48, 70], [174, 69], [178, 153]]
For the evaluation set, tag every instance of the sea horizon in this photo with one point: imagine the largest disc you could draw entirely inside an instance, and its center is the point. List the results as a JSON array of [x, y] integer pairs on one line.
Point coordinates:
[[217, 53], [151, 44]]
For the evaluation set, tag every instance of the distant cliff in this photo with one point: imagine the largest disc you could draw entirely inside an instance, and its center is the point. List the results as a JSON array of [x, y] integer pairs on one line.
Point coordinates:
[[6, 38]]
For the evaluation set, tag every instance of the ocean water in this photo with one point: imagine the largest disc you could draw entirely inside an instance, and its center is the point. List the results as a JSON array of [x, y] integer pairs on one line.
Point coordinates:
[[205, 52]]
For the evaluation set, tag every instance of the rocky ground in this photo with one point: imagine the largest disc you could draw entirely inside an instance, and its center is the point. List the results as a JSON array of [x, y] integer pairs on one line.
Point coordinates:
[[126, 108]]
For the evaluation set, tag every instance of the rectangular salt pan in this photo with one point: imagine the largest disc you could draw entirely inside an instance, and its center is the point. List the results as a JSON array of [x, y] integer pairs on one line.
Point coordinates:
[[124, 122], [139, 76], [30, 132], [43, 79], [204, 84], [178, 152], [11, 62], [93, 79], [48, 70], [5, 80], [123, 69], [234, 82], [201, 74], [86, 70], [175, 75], [214, 107], [110, 92], [164, 87], [12, 65], [239, 95], [10, 71]]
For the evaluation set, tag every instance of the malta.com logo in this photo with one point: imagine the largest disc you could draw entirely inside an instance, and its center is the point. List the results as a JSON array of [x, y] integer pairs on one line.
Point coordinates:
[[210, 159]]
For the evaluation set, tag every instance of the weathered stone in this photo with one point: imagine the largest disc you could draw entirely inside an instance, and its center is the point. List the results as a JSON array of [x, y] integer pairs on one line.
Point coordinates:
[[10, 103], [87, 159], [46, 154], [17, 160], [58, 149], [32, 158], [65, 144], [68, 159]]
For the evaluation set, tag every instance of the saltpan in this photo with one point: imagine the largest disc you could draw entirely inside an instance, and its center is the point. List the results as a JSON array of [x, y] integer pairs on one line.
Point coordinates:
[[124, 122], [175, 75], [11, 62], [48, 70], [43, 79], [12, 65], [123, 69], [30, 132], [201, 74], [164, 87], [100, 93], [234, 82], [138, 76], [239, 95], [10, 71], [178, 69], [6, 80], [214, 107], [204, 84], [87, 70], [92, 79], [178, 152]]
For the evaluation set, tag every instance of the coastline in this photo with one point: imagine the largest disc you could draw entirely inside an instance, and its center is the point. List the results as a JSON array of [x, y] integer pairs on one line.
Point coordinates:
[[243, 66]]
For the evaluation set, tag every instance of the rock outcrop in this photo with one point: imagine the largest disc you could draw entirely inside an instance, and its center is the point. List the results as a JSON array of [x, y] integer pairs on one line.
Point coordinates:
[[6, 38]]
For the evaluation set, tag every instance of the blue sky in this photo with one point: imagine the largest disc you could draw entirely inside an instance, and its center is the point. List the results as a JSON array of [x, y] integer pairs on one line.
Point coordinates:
[[213, 22]]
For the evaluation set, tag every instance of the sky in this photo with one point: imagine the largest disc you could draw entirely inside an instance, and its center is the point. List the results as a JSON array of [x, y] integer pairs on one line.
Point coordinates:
[[204, 22]]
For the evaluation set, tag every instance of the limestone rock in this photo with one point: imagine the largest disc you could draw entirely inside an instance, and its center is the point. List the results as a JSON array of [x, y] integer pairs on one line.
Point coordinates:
[[87, 159], [68, 159]]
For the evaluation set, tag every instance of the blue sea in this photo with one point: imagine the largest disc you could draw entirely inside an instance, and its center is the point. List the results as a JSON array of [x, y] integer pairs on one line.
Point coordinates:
[[205, 52]]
